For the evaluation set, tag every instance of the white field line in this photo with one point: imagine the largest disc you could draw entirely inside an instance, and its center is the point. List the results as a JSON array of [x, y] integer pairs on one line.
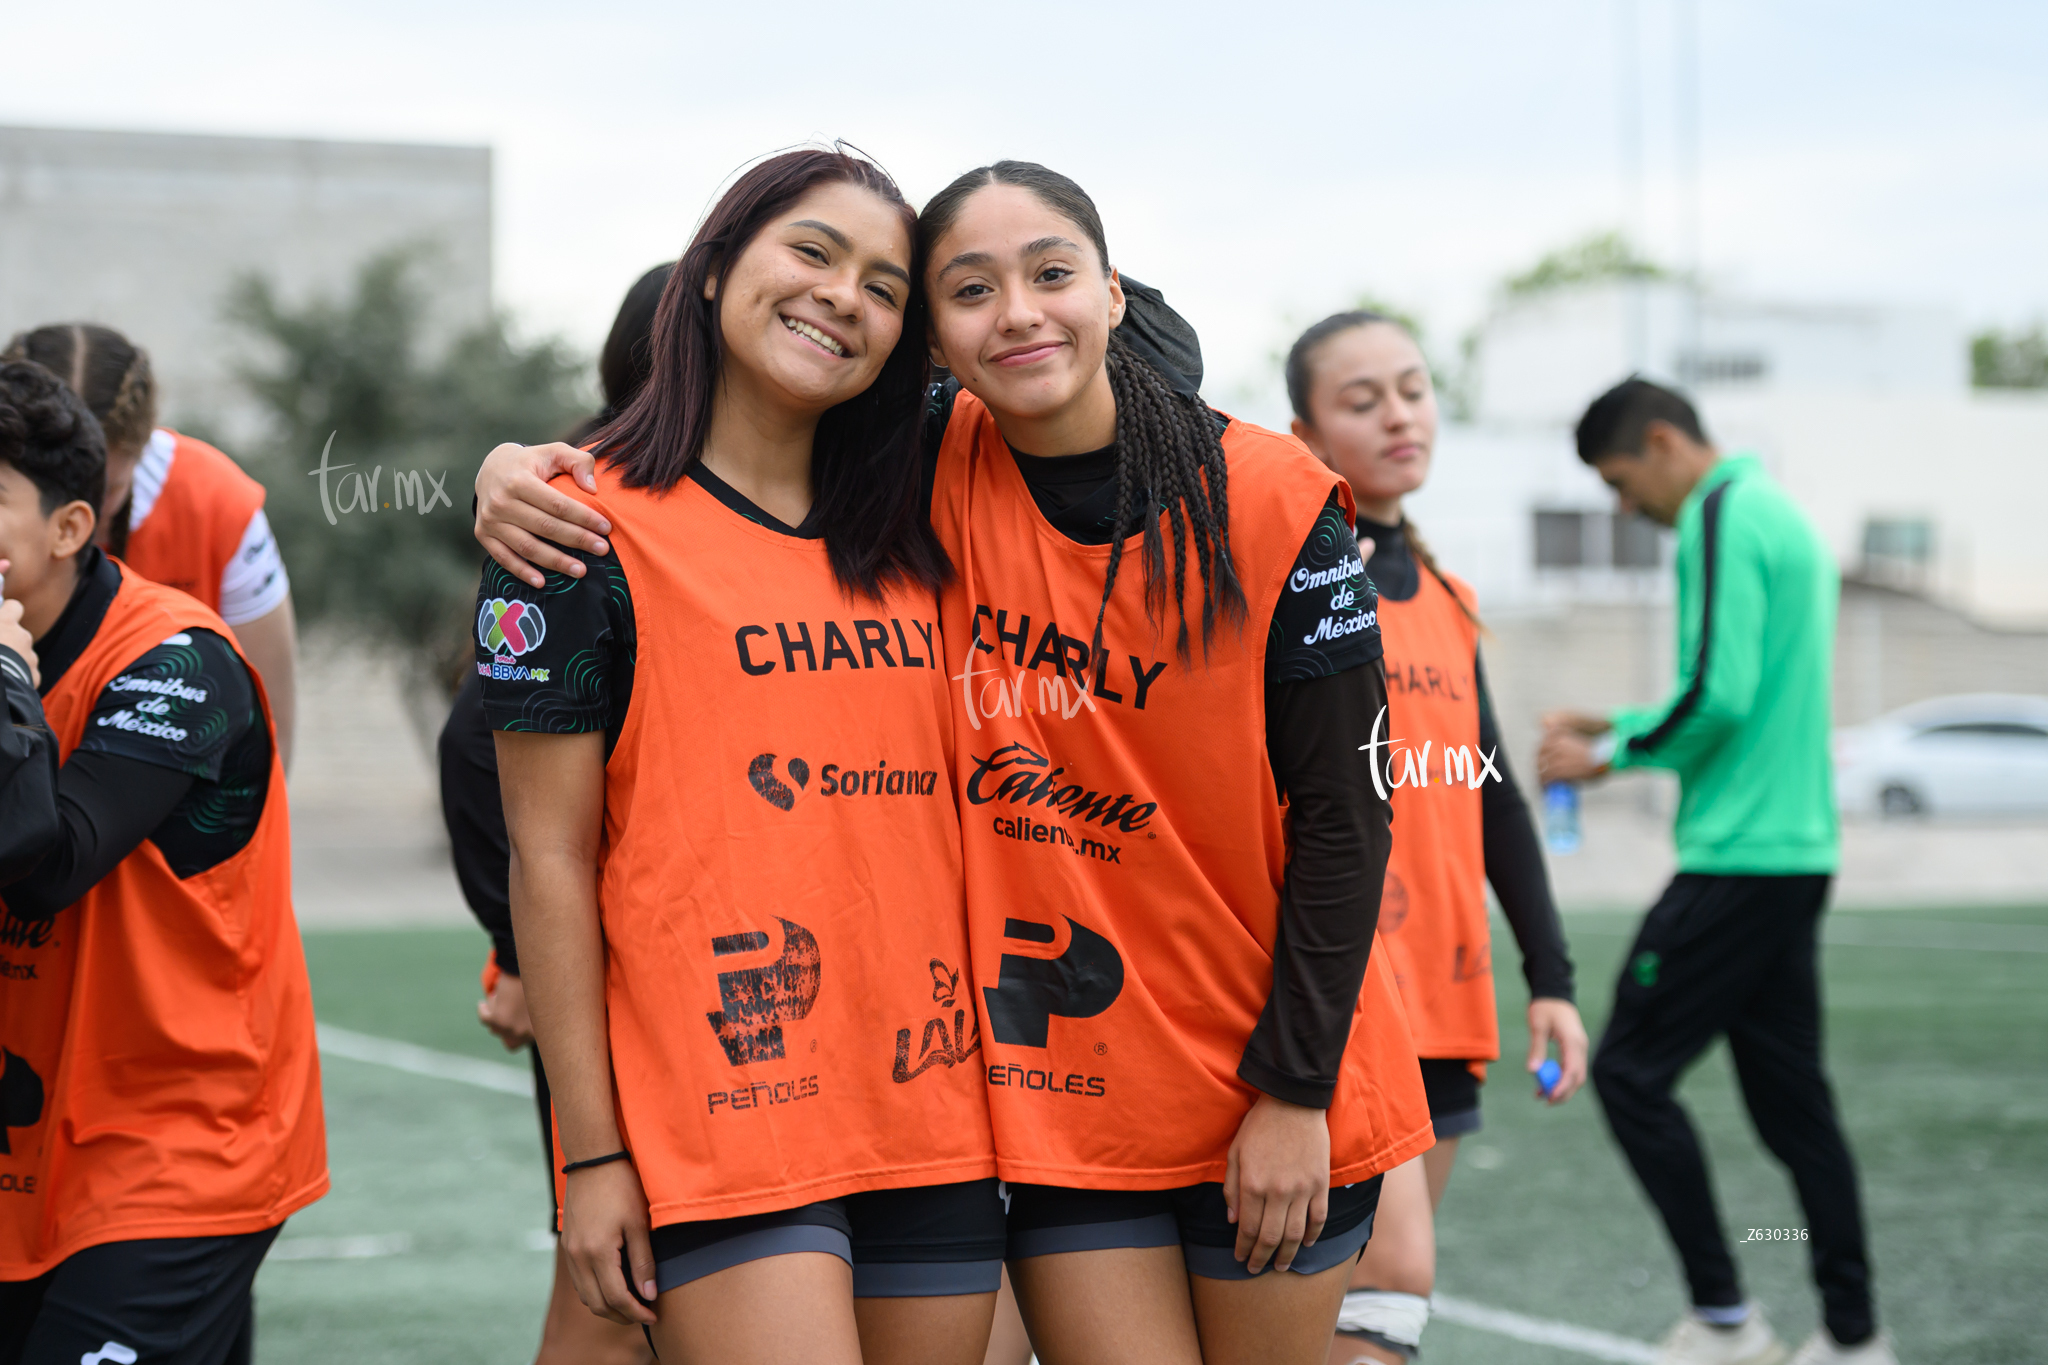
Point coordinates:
[[357, 1248], [424, 1061], [447, 1066], [1543, 1332]]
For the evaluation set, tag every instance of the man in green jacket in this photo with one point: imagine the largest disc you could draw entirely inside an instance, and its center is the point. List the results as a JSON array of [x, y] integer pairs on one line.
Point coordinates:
[[1730, 947]]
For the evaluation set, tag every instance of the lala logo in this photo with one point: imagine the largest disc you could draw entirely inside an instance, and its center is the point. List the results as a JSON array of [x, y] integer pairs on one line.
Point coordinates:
[[938, 1047], [513, 627], [763, 778]]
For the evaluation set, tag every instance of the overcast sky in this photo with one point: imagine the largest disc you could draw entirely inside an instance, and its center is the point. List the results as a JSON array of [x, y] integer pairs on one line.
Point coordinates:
[[1263, 163]]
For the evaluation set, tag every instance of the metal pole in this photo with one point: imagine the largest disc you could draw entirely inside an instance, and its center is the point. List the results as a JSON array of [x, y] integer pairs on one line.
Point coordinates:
[[1634, 211], [1686, 41]]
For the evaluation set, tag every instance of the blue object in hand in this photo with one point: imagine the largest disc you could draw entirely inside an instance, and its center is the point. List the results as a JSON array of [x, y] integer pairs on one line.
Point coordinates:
[[1548, 1075], [1561, 817]]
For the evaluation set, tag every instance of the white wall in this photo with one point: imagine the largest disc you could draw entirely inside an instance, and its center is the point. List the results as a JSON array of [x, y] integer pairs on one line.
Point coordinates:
[[1540, 360], [147, 232]]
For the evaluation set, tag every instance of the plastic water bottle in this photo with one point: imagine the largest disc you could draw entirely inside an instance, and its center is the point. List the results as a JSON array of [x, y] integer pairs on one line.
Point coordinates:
[[1561, 817], [1548, 1075]]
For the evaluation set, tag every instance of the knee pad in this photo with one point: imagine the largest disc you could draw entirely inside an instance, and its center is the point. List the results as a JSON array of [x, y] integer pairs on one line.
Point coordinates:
[[1389, 1320]]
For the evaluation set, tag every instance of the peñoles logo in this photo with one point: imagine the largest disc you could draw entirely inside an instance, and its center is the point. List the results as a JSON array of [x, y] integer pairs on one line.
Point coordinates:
[[1029, 777], [21, 1097], [756, 1000], [1080, 983], [938, 1047]]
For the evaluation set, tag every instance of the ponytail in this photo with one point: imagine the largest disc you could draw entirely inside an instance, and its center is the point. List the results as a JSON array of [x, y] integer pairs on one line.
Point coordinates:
[[1427, 560]]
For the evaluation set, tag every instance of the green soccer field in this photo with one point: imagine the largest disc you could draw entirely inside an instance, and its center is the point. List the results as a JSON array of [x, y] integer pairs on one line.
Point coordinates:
[[431, 1247]]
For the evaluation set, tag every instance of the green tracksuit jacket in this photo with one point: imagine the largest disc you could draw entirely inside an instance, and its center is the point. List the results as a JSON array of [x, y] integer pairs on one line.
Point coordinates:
[[1747, 729]]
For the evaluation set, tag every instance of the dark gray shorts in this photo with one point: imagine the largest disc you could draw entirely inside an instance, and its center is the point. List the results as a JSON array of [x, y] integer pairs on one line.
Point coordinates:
[[926, 1241], [1453, 1096], [1046, 1220]]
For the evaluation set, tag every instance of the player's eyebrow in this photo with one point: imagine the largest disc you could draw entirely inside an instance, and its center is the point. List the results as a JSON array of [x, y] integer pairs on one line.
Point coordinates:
[[834, 233], [886, 267]]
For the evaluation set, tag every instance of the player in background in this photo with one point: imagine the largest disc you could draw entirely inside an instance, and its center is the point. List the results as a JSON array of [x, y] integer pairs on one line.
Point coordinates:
[[178, 511], [160, 1100], [1732, 945], [1363, 402], [475, 816], [725, 758]]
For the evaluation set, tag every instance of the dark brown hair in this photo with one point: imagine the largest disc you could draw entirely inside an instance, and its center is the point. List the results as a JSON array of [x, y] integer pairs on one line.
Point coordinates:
[[1169, 448], [1301, 360], [50, 436], [107, 370], [865, 456]]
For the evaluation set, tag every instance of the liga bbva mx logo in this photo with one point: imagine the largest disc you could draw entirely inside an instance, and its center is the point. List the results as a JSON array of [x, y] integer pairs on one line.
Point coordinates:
[[510, 627]]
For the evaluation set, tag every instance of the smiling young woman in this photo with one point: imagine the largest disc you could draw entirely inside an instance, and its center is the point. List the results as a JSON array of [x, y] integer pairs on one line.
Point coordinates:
[[1197, 1067], [1364, 404], [743, 976]]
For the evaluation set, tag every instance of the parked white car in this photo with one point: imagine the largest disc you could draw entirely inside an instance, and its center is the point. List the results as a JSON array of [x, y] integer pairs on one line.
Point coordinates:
[[1977, 754]]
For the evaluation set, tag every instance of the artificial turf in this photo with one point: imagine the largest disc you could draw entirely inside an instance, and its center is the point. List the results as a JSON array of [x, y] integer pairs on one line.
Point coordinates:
[[1939, 1060]]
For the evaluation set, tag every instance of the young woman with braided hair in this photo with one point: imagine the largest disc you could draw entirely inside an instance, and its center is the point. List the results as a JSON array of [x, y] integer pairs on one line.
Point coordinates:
[[1363, 403], [178, 511], [1197, 1067]]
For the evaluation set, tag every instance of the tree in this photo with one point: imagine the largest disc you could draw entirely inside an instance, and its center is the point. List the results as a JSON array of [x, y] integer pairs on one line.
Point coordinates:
[[374, 446], [1599, 256], [2010, 360]]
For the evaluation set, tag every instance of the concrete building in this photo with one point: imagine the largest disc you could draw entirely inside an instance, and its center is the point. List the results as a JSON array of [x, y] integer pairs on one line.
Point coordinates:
[[148, 232], [1865, 414]]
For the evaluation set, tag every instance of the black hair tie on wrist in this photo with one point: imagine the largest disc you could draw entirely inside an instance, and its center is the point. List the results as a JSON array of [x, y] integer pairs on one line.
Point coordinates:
[[597, 1161]]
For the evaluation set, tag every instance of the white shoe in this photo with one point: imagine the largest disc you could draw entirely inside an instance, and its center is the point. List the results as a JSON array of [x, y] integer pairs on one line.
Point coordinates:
[[1695, 1341], [1820, 1349]]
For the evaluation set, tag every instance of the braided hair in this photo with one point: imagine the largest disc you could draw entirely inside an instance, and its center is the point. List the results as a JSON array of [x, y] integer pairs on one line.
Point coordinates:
[[112, 375], [1169, 447]]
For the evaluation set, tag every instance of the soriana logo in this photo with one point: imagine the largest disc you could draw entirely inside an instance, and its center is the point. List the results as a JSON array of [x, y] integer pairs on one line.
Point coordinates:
[[513, 628]]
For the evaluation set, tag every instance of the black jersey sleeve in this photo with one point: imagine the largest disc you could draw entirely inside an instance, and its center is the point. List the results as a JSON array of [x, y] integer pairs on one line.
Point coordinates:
[[1341, 834], [475, 816], [1515, 867], [107, 804], [28, 771], [184, 705], [557, 659], [1327, 618]]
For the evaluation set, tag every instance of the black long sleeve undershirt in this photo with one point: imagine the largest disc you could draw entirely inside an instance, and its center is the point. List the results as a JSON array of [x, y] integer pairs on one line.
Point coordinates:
[[106, 806], [1515, 869], [475, 816], [1341, 834], [28, 771]]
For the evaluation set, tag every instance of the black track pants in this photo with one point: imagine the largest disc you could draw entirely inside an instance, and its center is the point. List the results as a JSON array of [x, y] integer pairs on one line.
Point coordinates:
[[1735, 955], [164, 1301]]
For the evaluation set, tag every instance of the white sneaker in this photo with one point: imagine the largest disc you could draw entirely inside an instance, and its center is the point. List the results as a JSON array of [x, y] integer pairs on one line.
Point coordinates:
[[1695, 1341], [1820, 1349]]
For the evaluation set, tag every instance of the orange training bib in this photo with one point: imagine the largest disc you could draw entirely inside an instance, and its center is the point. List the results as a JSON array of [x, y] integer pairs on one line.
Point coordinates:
[[196, 525], [1433, 913], [162, 1027], [780, 880], [1124, 839]]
